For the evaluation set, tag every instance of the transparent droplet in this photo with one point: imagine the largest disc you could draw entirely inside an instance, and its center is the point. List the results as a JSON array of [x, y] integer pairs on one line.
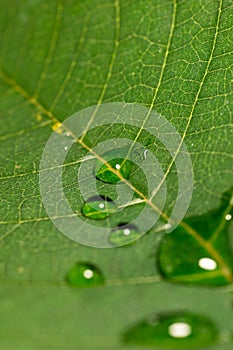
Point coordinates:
[[124, 234], [190, 258], [116, 160], [84, 275], [98, 208], [181, 330]]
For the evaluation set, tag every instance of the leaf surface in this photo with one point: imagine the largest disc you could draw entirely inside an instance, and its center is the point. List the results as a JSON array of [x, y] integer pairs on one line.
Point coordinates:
[[57, 58]]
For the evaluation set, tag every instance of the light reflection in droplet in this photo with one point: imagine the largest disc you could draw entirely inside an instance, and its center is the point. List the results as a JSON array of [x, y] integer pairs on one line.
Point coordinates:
[[179, 330], [228, 217], [207, 264], [126, 231], [88, 273]]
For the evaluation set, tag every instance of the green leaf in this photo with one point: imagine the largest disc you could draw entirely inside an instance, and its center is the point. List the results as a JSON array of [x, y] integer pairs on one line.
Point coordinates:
[[57, 58]]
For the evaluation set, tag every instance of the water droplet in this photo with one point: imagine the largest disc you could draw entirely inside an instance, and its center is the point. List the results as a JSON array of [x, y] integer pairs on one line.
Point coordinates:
[[185, 258], [228, 217], [84, 275], [181, 330], [98, 208], [207, 264], [124, 234], [116, 159], [65, 148]]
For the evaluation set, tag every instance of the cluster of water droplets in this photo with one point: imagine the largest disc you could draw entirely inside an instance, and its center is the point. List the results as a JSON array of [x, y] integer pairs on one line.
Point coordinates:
[[114, 171]]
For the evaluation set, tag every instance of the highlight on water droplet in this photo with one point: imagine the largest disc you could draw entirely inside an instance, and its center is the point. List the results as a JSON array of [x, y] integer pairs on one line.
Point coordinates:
[[180, 330], [175, 330], [207, 264], [124, 234], [85, 274], [228, 217], [115, 159], [98, 208], [88, 273]]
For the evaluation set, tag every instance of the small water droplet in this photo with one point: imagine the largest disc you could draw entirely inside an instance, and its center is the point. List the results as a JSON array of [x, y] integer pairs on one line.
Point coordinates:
[[84, 275], [181, 330], [65, 148], [207, 264], [124, 234], [98, 208], [116, 160], [228, 217]]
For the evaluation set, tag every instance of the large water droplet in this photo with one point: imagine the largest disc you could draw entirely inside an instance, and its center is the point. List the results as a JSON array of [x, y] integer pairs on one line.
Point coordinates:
[[84, 275], [180, 330], [116, 159], [124, 234], [98, 208], [189, 254]]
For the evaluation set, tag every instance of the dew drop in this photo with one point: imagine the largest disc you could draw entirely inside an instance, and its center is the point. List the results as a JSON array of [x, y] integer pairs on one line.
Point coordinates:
[[180, 330], [124, 234], [98, 208], [84, 275], [183, 259], [116, 160], [207, 264]]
